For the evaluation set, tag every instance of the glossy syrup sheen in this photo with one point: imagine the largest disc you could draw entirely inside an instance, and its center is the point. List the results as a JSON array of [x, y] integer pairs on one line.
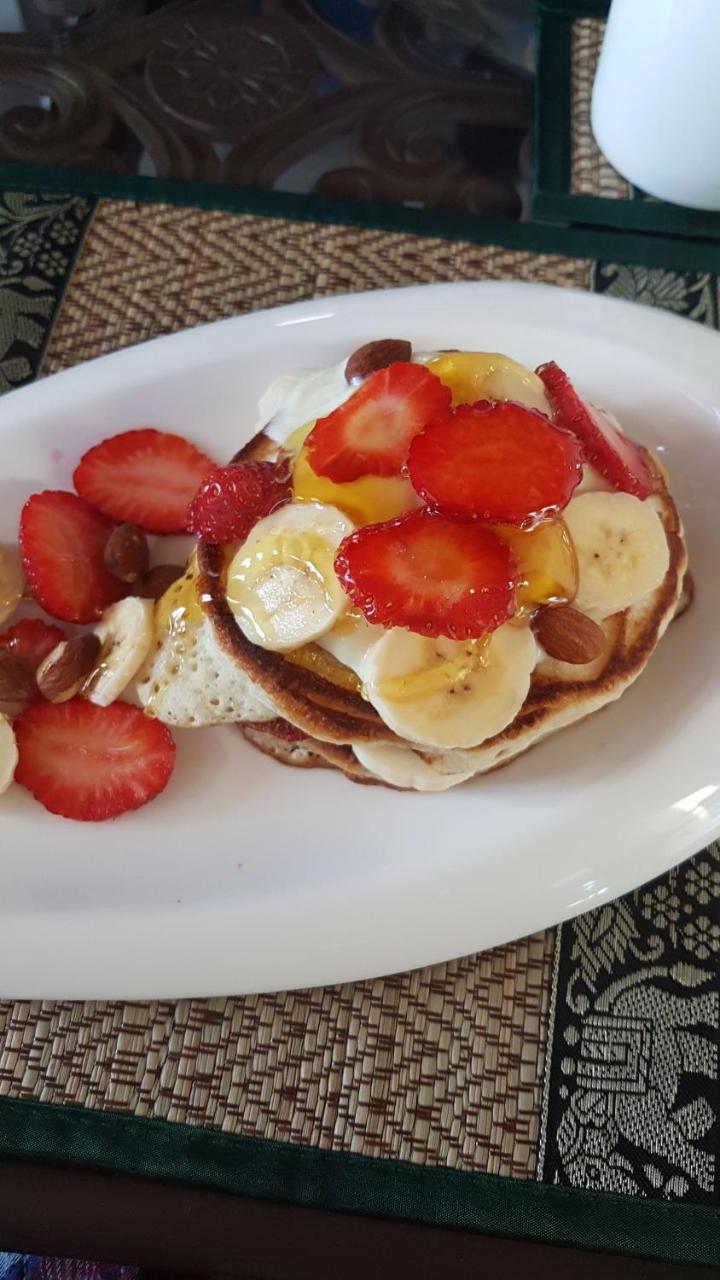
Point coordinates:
[[439, 678], [546, 563], [488, 375], [365, 501], [176, 613], [306, 552], [321, 663]]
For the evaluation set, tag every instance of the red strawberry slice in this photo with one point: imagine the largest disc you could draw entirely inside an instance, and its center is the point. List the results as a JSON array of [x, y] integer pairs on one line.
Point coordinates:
[[432, 573], [144, 477], [232, 499], [498, 462], [614, 455], [31, 640], [91, 763], [371, 432], [63, 546], [280, 728]]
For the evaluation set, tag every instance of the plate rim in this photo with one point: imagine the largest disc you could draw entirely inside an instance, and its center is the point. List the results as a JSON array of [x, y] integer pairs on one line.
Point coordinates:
[[169, 924]]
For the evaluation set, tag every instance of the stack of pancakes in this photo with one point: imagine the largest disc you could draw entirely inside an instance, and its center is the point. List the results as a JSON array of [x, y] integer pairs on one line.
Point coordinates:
[[206, 672]]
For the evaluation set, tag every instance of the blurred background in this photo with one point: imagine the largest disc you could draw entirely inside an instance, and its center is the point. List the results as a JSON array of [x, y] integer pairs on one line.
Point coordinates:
[[424, 103]]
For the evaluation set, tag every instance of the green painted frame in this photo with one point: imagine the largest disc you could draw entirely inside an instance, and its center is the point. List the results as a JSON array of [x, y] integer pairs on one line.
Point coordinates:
[[607, 245], [552, 199]]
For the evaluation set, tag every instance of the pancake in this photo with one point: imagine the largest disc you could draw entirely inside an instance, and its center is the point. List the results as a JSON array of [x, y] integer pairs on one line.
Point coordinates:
[[253, 686], [560, 693], [312, 753]]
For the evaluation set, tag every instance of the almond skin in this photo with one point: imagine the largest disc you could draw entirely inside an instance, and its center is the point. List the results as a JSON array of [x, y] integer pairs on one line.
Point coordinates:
[[17, 683], [127, 555], [376, 355], [62, 674], [156, 582], [568, 635]]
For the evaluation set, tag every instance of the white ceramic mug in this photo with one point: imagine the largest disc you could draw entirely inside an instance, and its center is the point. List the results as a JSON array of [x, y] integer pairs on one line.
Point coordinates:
[[656, 100]]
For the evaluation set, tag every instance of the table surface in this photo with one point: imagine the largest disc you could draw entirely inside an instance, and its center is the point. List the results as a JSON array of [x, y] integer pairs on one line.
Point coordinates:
[[176, 1232]]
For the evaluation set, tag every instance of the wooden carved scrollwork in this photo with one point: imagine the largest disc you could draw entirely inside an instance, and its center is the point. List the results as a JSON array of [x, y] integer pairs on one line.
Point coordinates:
[[264, 93]]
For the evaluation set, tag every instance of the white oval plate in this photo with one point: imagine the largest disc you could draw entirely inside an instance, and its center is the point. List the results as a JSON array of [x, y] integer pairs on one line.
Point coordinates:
[[247, 876]]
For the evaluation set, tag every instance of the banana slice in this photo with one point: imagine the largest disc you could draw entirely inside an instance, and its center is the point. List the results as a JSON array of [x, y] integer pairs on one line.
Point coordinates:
[[282, 585], [446, 693], [489, 375], [621, 547], [126, 634], [402, 767], [12, 583], [8, 753]]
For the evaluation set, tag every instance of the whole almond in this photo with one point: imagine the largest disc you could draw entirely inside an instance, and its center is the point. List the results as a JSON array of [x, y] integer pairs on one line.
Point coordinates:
[[158, 580], [63, 673], [127, 555], [17, 683], [376, 355], [568, 635]]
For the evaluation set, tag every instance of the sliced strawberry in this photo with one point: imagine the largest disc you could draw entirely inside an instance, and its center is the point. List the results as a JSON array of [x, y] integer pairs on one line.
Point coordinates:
[[90, 763], [495, 461], [432, 573], [370, 433], [232, 499], [612, 453], [63, 547], [32, 640], [144, 477], [280, 728]]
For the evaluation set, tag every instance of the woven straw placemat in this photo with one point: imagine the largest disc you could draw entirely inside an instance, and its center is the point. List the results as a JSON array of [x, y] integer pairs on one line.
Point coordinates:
[[590, 173], [442, 1066]]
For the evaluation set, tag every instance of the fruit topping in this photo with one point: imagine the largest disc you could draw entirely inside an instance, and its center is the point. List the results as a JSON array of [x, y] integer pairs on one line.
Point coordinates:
[[568, 635], [547, 569], [144, 477], [604, 446], [488, 375], [371, 432], [31, 640], [377, 355], [126, 633], [63, 542], [622, 551], [282, 729], [281, 584], [448, 693], [90, 763], [127, 554], [364, 501], [495, 461], [232, 499], [432, 573]]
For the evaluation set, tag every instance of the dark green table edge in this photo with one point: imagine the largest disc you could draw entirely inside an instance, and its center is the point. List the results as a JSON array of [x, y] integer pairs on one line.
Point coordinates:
[[552, 199], [310, 1178], [608, 245]]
